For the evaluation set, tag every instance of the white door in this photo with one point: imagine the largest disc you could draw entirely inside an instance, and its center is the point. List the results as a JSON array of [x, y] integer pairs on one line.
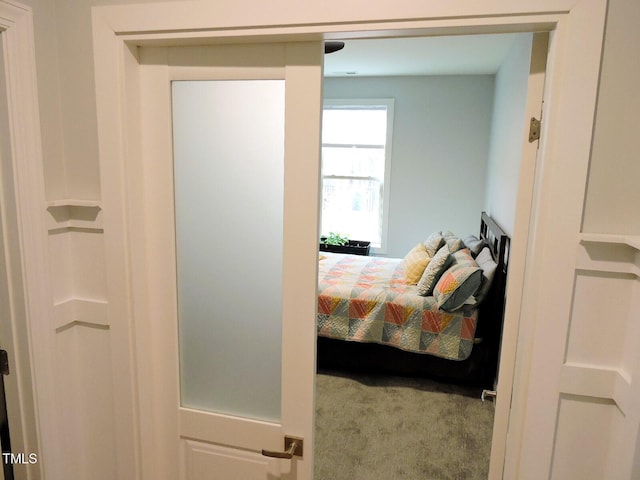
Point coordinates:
[[226, 255]]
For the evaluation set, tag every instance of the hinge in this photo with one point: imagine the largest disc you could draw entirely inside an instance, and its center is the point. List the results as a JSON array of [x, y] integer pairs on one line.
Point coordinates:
[[4, 363], [534, 130]]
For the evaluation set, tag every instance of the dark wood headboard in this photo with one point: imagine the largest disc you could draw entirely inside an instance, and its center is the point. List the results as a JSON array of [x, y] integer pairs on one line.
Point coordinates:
[[496, 239], [491, 315]]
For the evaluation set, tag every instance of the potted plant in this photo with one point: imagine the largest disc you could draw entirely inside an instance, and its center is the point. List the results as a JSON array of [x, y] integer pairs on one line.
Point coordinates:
[[340, 243]]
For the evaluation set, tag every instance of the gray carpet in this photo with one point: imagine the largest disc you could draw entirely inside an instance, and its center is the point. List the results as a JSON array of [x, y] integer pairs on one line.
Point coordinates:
[[374, 427]]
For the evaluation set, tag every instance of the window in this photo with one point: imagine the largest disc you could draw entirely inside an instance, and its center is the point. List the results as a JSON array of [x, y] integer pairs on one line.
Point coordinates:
[[356, 152]]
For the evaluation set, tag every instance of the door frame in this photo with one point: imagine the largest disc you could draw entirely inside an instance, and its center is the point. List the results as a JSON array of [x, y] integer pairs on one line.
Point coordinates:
[[554, 218], [25, 326]]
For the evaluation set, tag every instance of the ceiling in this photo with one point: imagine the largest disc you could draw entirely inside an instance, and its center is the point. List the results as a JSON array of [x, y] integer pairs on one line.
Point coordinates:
[[447, 55]]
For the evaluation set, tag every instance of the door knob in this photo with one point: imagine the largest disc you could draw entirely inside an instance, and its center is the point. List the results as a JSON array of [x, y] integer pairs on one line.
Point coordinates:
[[292, 447]]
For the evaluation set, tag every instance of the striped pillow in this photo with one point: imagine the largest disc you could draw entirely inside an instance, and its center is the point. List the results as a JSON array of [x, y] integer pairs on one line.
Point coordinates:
[[432, 273], [414, 263]]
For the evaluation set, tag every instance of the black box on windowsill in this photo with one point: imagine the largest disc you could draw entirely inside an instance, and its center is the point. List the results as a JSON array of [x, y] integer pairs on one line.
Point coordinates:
[[354, 247]]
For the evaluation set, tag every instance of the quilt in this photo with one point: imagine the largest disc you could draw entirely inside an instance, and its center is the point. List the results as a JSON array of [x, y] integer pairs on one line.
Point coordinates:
[[366, 299]]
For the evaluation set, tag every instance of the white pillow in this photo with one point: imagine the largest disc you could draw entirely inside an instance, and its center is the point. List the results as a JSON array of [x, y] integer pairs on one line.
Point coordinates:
[[433, 243], [454, 243], [489, 266]]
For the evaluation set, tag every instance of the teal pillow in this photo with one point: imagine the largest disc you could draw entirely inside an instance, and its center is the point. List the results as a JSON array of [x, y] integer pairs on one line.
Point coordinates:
[[456, 285]]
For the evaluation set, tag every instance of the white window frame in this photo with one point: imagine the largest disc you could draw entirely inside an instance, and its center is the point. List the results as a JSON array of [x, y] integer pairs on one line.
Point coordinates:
[[389, 103]]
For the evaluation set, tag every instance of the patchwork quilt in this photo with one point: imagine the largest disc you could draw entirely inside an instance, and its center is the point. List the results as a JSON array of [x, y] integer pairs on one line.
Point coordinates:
[[366, 299]]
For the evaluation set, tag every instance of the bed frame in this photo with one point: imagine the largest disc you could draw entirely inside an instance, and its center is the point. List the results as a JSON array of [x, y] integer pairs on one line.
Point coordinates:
[[478, 369]]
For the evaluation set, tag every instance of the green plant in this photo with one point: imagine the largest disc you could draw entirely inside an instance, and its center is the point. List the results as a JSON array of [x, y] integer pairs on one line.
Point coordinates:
[[336, 239]]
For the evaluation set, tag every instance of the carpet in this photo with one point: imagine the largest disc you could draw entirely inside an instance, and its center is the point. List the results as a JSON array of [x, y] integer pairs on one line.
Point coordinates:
[[371, 427]]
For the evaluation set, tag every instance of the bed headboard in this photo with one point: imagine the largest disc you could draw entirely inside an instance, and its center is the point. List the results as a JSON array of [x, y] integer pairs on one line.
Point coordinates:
[[496, 239], [491, 315]]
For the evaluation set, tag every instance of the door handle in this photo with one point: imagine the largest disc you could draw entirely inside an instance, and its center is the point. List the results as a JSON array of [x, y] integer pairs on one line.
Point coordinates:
[[292, 447]]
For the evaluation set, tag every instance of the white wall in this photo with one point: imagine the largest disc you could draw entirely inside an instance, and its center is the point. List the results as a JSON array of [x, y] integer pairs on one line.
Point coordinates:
[[506, 133], [613, 191], [48, 66], [440, 150], [612, 201], [83, 396]]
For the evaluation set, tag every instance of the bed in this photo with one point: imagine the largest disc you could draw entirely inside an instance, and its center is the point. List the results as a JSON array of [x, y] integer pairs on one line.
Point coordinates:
[[372, 317]]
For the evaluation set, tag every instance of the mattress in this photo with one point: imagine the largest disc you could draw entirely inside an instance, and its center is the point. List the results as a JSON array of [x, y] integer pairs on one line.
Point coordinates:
[[366, 299]]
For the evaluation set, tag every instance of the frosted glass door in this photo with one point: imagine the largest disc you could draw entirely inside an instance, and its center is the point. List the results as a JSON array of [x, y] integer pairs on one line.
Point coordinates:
[[229, 171]]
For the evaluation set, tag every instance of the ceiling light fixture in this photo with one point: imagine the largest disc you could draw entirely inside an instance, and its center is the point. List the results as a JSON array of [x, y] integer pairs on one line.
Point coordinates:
[[333, 46]]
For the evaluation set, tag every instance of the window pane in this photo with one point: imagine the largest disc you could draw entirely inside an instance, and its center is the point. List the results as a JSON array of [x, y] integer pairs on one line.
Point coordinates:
[[352, 207], [353, 161], [365, 126]]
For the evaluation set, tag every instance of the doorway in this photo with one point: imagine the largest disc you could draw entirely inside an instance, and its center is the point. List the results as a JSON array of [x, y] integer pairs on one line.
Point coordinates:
[[496, 161], [112, 121]]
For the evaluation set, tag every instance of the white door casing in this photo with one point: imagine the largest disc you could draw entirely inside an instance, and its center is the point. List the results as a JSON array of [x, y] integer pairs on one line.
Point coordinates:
[[24, 288], [518, 248], [211, 443], [572, 78]]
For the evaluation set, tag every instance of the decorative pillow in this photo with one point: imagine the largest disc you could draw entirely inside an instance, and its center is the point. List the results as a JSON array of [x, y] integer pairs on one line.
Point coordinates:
[[474, 244], [488, 266], [458, 283], [454, 243], [463, 256], [433, 243], [436, 267], [415, 262]]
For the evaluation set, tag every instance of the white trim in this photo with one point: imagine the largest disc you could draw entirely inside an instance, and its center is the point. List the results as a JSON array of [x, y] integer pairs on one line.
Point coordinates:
[[518, 254], [632, 241], [598, 382], [558, 195], [90, 313], [71, 202], [203, 19], [116, 58], [33, 339], [389, 103], [556, 217], [228, 430]]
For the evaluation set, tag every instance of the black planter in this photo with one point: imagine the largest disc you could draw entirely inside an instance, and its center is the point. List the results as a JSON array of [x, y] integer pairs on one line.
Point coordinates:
[[354, 247]]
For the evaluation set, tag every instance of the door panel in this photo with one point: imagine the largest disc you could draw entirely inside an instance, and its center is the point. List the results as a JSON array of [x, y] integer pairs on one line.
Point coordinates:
[[236, 248], [204, 461]]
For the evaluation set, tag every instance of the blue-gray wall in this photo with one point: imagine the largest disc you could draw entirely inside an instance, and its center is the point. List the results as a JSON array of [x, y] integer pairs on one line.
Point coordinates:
[[507, 132], [442, 129]]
